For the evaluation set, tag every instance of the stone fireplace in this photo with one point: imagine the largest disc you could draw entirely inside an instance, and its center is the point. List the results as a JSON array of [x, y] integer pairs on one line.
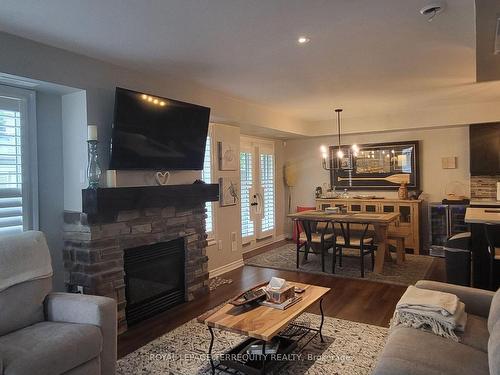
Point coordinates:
[[114, 220]]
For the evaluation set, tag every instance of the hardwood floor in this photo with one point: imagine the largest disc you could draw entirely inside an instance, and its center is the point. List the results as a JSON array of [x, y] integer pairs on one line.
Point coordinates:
[[351, 299]]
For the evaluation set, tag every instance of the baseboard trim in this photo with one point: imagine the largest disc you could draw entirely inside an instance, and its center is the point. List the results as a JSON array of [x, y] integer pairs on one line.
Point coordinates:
[[264, 247], [281, 237], [226, 268]]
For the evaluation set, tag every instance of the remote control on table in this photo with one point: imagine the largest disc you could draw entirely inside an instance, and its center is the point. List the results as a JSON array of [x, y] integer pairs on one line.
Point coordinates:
[[252, 294]]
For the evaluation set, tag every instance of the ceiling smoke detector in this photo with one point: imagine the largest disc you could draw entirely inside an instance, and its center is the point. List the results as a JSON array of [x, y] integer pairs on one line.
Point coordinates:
[[432, 9]]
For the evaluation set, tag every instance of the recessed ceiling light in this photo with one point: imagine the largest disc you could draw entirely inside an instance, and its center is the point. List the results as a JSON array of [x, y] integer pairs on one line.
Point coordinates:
[[303, 40]]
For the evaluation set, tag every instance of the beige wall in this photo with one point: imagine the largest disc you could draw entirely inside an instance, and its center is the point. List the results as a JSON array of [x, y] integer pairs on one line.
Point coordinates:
[[228, 219], [434, 144]]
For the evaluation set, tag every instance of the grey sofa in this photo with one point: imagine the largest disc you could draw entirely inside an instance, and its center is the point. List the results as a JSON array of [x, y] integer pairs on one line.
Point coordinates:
[[413, 352], [47, 333]]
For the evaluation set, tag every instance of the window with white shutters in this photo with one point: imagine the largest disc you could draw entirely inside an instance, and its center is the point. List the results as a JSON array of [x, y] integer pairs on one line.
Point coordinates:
[[16, 184], [247, 225], [207, 177], [267, 186]]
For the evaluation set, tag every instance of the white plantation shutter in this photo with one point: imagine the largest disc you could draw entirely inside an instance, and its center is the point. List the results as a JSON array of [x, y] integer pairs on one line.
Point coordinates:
[[247, 225], [16, 185], [267, 186], [207, 177]]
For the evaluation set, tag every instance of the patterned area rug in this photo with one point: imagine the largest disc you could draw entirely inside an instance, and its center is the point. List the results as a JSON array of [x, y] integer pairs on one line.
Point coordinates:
[[217, 281], [413, 269], [349, 348]]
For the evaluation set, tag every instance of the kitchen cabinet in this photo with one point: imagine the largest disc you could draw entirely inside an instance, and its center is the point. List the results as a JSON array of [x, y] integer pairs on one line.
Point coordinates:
[[484, 149]]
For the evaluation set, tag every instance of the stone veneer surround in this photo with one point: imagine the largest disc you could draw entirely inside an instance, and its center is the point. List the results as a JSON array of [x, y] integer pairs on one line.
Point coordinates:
[[94, 244]]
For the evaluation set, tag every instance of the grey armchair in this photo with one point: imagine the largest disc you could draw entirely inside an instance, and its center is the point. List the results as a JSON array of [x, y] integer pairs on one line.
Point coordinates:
[[47, 333]]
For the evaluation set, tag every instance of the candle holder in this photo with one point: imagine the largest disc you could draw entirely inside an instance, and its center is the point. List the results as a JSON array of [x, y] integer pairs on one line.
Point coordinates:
[[93, 168]]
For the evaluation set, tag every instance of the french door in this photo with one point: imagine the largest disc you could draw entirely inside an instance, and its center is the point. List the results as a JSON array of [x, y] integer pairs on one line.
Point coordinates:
[[257, 173]]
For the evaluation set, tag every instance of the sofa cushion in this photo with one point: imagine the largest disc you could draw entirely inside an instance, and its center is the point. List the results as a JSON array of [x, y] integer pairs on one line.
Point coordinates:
[[414, 352], [49, 348], [494, 315], [476, 333], [24, 256], [494, 350], [21, 305], [92, 367]]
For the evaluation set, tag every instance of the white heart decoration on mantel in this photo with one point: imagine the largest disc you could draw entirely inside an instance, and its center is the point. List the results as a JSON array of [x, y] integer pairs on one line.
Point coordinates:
[[162, 178]]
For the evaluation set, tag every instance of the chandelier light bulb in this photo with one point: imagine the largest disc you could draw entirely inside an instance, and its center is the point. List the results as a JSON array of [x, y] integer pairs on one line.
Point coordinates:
[[340, 154]]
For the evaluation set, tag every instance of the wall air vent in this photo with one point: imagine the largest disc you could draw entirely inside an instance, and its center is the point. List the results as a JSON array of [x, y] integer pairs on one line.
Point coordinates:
[[497, 38]]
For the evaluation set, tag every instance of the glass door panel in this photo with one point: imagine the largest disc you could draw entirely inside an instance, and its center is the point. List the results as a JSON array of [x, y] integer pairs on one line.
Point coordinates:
[[404, 214], [267, 194], [457, 220], [246, 186], [355, 207], [439, 225], [388, 208]]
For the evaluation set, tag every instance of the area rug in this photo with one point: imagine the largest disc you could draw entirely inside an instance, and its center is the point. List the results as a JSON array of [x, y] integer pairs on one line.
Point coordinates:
[[413, 269], [218, 281], [349, 348]]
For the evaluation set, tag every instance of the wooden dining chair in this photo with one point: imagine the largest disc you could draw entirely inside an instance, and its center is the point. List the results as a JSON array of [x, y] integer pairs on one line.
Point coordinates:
[[491, 231], [316, 237], [359, 239]]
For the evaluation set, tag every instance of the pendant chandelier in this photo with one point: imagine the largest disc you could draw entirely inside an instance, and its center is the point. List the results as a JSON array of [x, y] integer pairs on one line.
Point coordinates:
[[336, 163]]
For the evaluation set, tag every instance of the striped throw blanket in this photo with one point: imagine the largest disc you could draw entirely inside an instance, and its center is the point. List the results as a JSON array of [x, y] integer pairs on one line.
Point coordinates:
[[442, 313]]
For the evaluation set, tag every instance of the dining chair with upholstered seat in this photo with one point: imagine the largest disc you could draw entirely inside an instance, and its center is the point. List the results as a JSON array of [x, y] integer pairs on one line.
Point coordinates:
[[316, 237], [362, 239]]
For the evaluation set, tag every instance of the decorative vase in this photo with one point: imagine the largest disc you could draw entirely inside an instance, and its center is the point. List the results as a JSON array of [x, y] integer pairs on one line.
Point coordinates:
[[403, 191], [93, 168]]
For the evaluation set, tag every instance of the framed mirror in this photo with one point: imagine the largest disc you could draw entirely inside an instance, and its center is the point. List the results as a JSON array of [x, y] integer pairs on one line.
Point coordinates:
[[377, 166]]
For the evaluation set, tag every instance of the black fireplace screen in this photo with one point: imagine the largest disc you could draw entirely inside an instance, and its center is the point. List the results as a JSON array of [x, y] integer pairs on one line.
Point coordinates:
[[154, 278]]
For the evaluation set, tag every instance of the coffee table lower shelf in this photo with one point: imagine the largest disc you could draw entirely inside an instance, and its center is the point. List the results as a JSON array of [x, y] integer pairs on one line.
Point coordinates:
[[234, 361]]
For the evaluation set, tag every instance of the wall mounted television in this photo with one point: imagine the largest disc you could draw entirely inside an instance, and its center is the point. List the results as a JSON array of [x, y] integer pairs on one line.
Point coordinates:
[[154, 133]]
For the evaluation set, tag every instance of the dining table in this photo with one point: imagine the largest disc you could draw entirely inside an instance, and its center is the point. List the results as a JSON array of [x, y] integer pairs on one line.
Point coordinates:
[[379, 221]]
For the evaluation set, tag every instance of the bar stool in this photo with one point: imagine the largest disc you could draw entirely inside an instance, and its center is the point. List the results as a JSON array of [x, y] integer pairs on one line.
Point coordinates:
[[494, 251]]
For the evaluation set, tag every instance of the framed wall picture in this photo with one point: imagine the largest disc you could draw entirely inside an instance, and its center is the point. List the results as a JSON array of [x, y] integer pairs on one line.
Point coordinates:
[[228, 189], [377, 166], [228, 157]]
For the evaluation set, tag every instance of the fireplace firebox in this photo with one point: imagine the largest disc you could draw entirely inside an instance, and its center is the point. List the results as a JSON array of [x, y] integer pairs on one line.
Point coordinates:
[[154, 278]]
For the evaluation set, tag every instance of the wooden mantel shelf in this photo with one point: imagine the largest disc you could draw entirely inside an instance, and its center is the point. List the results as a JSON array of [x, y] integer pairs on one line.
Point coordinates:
[[104, 201]]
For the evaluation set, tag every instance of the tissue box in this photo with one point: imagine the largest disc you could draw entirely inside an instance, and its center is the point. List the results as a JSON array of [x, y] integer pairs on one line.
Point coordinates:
[[280, 295]]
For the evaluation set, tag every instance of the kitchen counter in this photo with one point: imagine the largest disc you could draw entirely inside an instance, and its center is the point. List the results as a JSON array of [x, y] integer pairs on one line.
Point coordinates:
[[486, 202], [482, 216]]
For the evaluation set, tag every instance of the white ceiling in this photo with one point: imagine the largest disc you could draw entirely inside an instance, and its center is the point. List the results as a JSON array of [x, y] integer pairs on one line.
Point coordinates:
[[372, 57]]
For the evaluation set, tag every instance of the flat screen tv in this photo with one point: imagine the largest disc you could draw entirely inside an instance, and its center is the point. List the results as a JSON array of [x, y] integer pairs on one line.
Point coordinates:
[[155, 133]]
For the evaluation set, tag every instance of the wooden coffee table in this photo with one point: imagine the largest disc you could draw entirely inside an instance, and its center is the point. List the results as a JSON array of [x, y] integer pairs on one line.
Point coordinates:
[[264, 323]]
